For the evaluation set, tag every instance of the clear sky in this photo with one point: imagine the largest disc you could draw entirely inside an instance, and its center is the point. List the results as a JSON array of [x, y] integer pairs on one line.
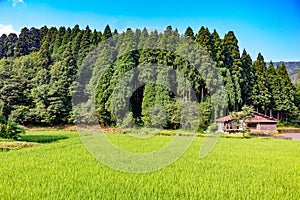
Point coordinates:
[[269, 27]]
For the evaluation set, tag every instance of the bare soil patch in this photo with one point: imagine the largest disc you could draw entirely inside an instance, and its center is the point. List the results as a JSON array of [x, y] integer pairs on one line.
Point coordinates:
[[17, 145]]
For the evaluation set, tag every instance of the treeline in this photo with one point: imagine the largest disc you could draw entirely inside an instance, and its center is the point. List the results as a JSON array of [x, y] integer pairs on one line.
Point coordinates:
[[38, 69]]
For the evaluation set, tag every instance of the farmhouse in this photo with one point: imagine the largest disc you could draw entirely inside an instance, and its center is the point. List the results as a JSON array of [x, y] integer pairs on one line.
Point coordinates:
[[259, 122]]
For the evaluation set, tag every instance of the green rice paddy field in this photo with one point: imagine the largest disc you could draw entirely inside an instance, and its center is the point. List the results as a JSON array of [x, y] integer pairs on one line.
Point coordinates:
[[235, 169]]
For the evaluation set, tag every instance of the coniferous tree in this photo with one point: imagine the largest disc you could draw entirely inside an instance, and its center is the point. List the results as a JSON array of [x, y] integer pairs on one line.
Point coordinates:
[[35, 38], [43, 31], [247, 76], [44, 53], [85, 45], [107, 33], [10, 43], [261, 95], [74, 32], [59, 95], [95, 38], [163, 95], [59, 37], [144, 35], [76, 44], [37, 70], [218, 49], [2, 46], [234, 64], [22, 45], [274, 88], [204, 39], [286, 105], [189, 33], [67, 36], [115, 32]]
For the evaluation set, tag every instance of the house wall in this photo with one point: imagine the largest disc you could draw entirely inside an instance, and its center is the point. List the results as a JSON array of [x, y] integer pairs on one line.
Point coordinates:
[[268, 126], [220, 127]]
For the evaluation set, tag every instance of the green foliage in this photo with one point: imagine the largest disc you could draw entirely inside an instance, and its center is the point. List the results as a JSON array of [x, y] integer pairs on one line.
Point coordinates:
[[212, 128], [189, 33], [1, 107], [248, 78], [205, 114], [38, 69], [246, 113], [204, 39], [261, 95], [107, 33], [286, 103], [234, 64], [128, 121], [10, 129], [157, 116], [148, 102]]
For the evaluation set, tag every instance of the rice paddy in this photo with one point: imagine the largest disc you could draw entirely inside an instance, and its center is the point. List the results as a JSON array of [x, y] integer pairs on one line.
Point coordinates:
[[62, 168]]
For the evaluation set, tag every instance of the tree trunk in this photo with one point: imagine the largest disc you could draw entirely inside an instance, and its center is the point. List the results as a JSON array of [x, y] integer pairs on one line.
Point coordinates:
[[202, 93], [271, 113]]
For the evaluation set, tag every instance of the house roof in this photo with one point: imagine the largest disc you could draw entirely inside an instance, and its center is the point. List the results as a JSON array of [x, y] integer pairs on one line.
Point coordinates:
[[257, 117]]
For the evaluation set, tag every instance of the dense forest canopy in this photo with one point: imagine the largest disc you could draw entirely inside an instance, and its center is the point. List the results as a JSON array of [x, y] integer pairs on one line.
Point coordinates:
[[38, 69]]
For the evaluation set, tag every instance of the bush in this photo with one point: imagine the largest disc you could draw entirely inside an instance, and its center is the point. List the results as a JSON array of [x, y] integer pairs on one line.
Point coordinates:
[[212, 128], [128, 121], [21, 115], [287, 124], [10, 129]]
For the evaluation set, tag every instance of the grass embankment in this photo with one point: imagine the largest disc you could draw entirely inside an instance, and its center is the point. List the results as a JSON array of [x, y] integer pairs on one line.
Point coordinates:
[[235, 169]]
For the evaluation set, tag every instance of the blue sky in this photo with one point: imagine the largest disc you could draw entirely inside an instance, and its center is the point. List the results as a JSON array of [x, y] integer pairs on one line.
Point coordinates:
[[271, 27]]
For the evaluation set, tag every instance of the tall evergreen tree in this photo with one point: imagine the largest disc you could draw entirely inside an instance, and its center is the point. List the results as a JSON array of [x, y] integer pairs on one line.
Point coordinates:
[[2, 46], [261, 95], [218, 49], [189, 33], [67, 36], [107, 33], [85, 44], [59, 37], [286, 105], [10, 43], [234, 64], [95, 38], [74, 32], [204, 39], [274, 88], [76, 44], [59, 94], [247, 76], [35, 39], [22, 45]]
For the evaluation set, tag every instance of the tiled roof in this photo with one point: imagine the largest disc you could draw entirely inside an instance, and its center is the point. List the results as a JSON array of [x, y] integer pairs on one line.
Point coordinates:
[[257, 117]]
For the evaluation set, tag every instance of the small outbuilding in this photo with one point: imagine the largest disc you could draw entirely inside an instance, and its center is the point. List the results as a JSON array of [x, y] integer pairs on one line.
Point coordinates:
[[259, 122]]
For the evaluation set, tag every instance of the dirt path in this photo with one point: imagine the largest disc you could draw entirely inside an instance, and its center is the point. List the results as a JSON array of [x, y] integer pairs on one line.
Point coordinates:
[[293, 136]]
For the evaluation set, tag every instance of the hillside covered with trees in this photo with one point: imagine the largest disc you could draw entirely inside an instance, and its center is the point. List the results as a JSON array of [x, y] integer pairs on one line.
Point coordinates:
[[38, 69]]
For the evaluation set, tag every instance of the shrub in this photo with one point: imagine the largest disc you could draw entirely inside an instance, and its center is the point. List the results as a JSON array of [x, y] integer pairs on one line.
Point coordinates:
[[212, 128], [128, 121], [10, 129]]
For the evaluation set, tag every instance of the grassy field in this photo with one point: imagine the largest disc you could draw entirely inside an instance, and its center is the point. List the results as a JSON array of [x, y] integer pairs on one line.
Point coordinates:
[[61, 168]]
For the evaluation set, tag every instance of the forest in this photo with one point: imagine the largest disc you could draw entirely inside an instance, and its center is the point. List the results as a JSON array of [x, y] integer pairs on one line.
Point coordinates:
[[38, 69]]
